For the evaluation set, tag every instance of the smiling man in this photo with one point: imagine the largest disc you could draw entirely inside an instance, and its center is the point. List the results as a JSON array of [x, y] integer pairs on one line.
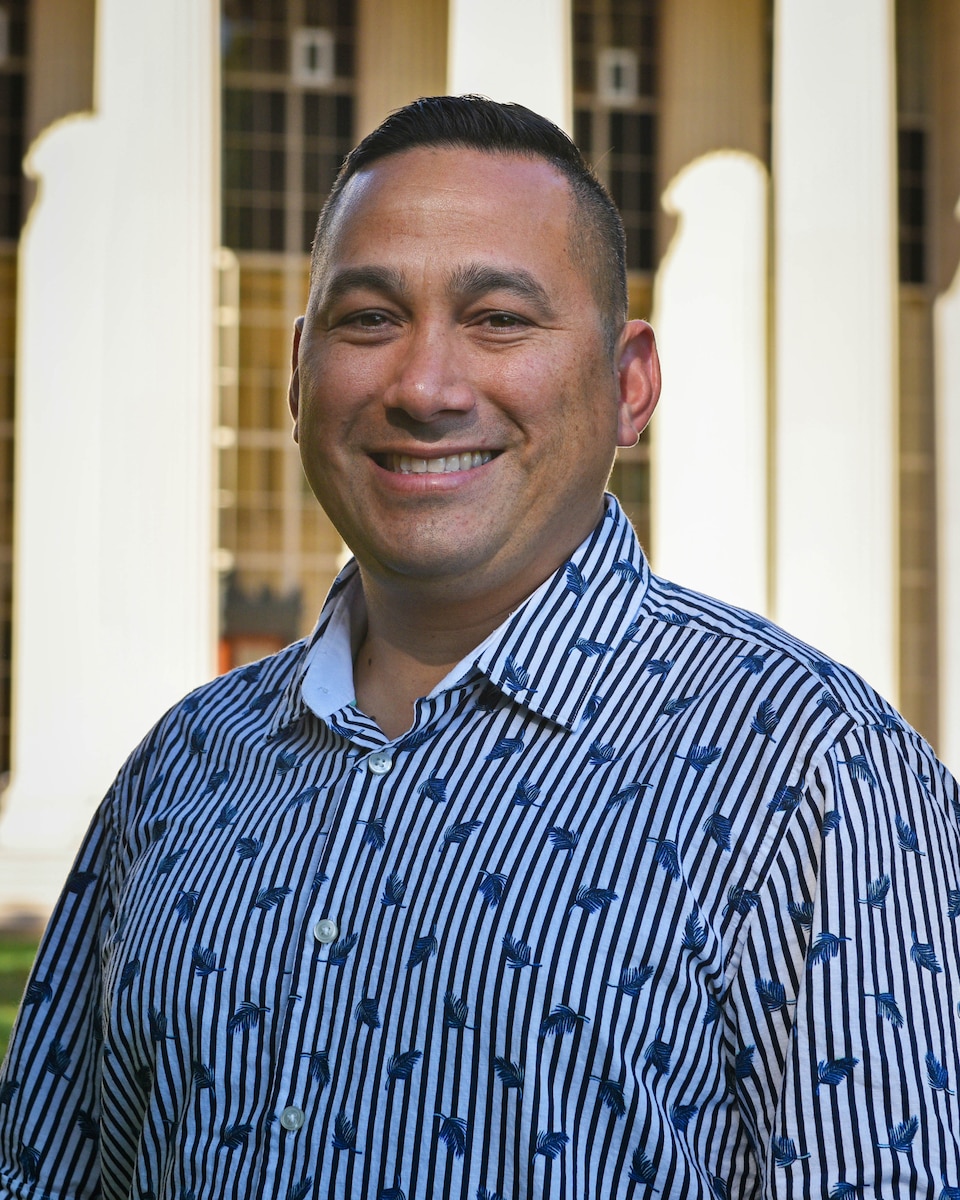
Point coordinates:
[[529, 874]]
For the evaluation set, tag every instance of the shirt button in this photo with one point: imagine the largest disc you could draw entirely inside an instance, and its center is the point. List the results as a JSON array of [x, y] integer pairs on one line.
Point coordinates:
[[292, 1117], [379, 763], [325, 930]]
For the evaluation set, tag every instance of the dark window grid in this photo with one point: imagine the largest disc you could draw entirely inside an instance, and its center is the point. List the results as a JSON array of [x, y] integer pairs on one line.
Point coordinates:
[[254, 110]]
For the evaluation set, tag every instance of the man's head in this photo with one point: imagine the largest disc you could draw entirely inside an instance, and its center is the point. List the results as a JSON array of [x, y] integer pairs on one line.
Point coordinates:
[[459, 387], [474, 122]]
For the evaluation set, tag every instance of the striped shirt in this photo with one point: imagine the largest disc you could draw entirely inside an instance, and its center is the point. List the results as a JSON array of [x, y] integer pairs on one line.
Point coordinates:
[[651, 899]]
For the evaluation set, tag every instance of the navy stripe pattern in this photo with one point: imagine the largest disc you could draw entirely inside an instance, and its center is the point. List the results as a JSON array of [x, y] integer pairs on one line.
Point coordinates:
[[652, 899]]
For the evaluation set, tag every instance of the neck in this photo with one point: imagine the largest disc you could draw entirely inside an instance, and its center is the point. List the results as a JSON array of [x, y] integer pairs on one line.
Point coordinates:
[[410, 644]]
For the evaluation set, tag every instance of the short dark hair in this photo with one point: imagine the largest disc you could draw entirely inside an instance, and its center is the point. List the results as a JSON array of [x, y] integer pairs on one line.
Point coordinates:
[[476, 123]]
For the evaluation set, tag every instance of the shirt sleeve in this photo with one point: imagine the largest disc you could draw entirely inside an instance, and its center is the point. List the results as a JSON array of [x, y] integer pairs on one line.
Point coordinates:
[[49, 1082], [848, 985]]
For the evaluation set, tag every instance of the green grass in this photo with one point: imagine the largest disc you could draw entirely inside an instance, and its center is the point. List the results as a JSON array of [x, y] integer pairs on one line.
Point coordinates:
[[16, 958]]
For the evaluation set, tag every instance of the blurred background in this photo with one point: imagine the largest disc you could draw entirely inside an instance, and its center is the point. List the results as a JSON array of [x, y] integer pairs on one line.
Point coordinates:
[[788, 173]]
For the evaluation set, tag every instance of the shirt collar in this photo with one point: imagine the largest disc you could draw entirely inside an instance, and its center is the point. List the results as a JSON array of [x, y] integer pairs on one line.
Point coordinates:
[[549, 655]]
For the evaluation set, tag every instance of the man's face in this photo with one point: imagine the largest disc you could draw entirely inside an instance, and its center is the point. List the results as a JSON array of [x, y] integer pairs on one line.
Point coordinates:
[[455, 407]]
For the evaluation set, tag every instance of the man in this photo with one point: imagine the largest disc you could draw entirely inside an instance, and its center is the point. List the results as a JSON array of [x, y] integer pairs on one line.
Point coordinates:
[[529, 874]]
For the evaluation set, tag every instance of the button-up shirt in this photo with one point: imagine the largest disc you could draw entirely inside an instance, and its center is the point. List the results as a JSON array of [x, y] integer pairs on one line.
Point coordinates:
[[651, 899]]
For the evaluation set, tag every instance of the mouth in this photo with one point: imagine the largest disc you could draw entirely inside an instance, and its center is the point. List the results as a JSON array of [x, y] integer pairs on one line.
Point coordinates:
[[405, 464]]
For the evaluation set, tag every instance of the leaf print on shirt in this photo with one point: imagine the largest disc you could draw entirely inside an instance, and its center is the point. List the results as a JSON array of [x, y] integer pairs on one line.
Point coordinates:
[[830, 703], [834, 1071], [633, 980], [198, 740], [504, 748], [318, 1068], [417, 738], [516, 676], [367, 1013], [517, 952], [38, 992], [247, 848], [625, 795], [300, 1189], [491, 887], [456, 835], [901, 1136], [743, 1063], [57, 1061], [526, 794], [658, 667], [8, 1090], [204, 961], [593, 900], [202, 1076], [186, 905], [937, 1075], [453, 1134], [400, 1067], [773, 995], [28, 1159], [626, 570], [593, 706], [394, 889], [887, 1007], [831, 821], [344, 1135], [694, 933], [677, 705], [666, 856], [923, 954], [78, 882], [551, 1143], [801, 913], [485, 1194], [560, 1020], [786, 798], [216, 780], [509, 1073], [589, 648], [642, 1170], [907, 838], [718, 827], [129, 973], [307, 796], [658, 1054], [87, 1124], [859, 768], [424, 947], [742, 900], [826, 946], [701, 757], [682, 1114], [877, 890], [246, 1017], [375, 832], [157, 1024], [268, 898], [610, 1094], [752, 663], [785, 1151], [575, 582], [599, 755], [340, 950], [433, 789], [953, 903], [233, 1137], [169, 861], [455, 1012], [563, 839], [886, 723], [766, 720], [489, 698]]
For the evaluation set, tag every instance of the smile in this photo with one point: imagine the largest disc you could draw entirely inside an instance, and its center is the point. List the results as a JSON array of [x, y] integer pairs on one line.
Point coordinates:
[[405, 465]]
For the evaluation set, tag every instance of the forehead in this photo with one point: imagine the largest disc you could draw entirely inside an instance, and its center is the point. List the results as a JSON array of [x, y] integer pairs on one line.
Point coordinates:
[[438, 204]]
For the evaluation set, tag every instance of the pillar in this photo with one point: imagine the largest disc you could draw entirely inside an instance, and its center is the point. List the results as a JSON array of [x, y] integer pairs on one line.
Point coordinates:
[[835, 510], [513, 51], [401, 54], [113, 604]]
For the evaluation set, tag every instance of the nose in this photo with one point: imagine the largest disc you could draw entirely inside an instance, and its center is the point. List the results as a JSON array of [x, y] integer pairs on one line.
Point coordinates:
[[429, 378]]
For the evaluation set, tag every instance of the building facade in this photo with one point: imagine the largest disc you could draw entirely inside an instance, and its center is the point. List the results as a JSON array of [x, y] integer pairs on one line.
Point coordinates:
[[789, 181]]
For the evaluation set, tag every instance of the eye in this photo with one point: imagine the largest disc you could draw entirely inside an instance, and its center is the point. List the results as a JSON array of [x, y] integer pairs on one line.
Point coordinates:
[[503, 320]]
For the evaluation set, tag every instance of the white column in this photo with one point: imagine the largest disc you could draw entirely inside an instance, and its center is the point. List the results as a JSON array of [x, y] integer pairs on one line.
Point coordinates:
[[513, 50], [947, 359], [836, 330], [114, 603], [709, 499]]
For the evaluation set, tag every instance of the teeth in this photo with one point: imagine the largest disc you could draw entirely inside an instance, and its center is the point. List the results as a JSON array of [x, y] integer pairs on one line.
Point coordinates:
[[438, 466]]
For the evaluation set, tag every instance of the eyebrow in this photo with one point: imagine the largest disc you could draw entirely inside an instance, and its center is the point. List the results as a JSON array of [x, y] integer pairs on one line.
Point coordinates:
[[377, 279], [477, 280], [467, 283]]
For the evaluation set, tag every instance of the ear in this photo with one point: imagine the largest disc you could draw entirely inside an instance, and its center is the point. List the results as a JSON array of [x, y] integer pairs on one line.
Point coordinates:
[[638, 368], [293, 394]]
